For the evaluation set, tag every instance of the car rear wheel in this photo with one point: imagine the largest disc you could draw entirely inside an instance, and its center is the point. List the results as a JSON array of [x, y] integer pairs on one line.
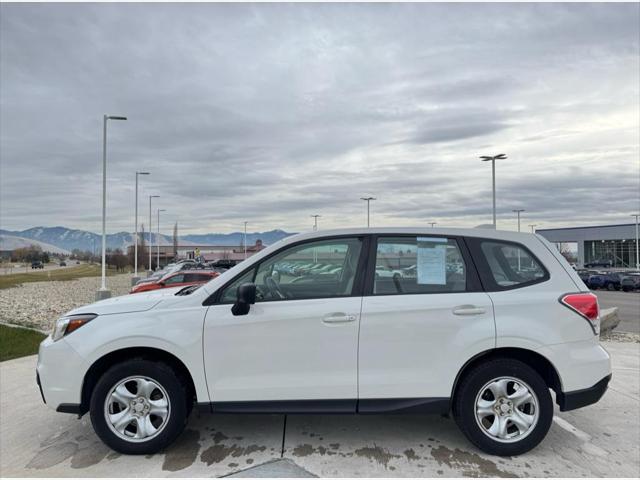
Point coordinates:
[[611, 287], [503, 407], [139, 407]]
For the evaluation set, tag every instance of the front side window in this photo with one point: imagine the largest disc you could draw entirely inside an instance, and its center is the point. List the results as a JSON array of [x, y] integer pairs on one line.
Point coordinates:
[[230, 292], [321, 269], [511, 265], [419, 264]]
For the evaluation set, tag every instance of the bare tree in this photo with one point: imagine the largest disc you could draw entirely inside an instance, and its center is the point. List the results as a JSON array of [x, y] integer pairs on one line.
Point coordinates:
[[566, 252]]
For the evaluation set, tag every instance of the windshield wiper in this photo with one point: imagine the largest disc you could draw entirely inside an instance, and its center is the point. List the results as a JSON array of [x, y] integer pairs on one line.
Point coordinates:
[[187, 290]]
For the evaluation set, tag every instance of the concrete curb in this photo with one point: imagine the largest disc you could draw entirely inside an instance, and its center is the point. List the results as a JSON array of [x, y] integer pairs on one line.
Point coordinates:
[[609, 320], [12, 325]]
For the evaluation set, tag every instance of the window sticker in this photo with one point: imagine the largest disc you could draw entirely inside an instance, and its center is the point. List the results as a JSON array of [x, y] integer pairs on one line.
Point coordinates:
[[431, 261]]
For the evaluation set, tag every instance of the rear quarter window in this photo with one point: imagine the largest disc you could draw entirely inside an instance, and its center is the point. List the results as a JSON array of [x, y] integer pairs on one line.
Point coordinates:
[[506, 265]]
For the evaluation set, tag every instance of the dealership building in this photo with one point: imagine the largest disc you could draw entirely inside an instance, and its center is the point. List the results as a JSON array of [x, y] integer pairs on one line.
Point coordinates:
[[609, 243]]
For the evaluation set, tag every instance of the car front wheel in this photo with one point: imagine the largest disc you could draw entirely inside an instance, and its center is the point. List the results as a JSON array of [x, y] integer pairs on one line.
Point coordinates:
[[139, 407], [503, 407]]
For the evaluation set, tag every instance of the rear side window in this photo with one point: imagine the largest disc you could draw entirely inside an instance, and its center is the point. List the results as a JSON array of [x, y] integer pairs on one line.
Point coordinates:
[[511, 265], [415, 265], [175, 279]]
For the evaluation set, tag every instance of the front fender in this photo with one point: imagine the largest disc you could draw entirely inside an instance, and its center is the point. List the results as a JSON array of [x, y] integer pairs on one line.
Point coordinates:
[[175, 331]]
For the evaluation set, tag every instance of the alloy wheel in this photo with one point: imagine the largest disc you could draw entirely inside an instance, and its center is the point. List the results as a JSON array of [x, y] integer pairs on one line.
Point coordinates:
[[137, 408], [506, 409]]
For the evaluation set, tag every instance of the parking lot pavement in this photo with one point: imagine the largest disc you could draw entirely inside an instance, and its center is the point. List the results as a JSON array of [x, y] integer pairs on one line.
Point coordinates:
[[628, 304], [600, 440]]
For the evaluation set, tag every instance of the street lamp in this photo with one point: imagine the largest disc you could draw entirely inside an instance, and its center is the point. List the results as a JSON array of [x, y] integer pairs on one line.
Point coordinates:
[[368, 200], [103, 292], [636, 215], [150, 198], [158, 239], [532, 227], [315, 222], [135, 255], [432, 223], [493, 159], [518, 211], [245, 240]]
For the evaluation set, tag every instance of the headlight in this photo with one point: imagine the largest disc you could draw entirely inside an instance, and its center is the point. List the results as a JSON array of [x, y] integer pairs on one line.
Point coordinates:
[[66, 325]]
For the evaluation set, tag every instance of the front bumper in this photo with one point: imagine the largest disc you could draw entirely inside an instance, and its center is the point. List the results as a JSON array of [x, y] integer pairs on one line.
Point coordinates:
[[59, 374], [584, 397]]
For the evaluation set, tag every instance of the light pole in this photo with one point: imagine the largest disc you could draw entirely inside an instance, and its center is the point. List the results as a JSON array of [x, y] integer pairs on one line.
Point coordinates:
[[636, 215], [315, 222], [532, 227], [103, 292], [432, 223], [135, 255], [368, 200], [150, 198], [493, 159], [518, 211], [158, 239], [245, 240]]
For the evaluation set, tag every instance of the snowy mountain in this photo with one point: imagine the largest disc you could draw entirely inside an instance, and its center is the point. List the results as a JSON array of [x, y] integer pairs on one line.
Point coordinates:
[[11, 242], [68, 239]]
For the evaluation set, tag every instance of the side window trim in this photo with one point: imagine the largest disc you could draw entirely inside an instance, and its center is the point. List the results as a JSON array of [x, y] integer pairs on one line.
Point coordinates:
[[473, 279], [484, 269], [358, 282]]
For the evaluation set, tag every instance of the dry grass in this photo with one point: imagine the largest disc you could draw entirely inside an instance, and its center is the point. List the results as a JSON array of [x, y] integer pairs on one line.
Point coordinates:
[[66, 273]]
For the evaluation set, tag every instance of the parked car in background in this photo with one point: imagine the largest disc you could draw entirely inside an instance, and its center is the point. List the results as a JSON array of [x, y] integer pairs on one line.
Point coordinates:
[[37, 265], [607, 281], [585, 274], [599, 263], [485, 346], [225, 263], [63, 264], [181, 278], [630, 281]]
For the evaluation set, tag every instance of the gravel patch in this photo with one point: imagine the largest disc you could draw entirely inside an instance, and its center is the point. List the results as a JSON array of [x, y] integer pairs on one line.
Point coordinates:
[[38, 304], [624, 337]]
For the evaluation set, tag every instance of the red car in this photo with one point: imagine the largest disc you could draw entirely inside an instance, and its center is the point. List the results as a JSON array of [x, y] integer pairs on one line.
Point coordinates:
[[177, 279]]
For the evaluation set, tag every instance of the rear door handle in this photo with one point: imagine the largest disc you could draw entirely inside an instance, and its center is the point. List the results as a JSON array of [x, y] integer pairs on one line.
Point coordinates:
[[338, 318], [468, 310]]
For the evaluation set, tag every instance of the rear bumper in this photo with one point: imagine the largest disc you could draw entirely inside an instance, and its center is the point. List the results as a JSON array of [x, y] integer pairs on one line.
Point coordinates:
[[584, 397]]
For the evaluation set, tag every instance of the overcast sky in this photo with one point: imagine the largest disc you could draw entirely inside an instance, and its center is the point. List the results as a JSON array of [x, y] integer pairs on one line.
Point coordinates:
[[271, 113]]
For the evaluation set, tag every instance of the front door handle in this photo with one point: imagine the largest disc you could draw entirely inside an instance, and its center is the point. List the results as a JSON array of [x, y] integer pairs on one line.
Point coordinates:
[[338, 318], [468, 310]]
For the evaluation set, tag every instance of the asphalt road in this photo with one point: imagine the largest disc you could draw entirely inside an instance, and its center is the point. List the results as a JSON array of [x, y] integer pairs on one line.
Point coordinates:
[[26, 268], [597, 441], [628, 304]]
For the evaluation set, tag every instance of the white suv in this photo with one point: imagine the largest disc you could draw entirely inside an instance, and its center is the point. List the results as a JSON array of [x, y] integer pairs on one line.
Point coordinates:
[[487, 326]]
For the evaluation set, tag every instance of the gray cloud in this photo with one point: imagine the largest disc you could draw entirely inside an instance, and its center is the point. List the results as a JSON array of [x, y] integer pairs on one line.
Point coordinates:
[[272, 112]]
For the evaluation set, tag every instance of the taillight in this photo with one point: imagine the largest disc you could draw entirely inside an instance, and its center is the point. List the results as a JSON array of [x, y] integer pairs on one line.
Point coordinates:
[[586, 305]]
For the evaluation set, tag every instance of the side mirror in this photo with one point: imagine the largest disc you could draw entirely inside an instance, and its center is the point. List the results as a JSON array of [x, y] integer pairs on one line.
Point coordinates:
[[246, 296], [162, 284]]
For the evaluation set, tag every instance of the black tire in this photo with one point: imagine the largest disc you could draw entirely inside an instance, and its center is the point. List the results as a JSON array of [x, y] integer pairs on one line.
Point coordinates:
[[473, 382], [611, 287], [160, 373]]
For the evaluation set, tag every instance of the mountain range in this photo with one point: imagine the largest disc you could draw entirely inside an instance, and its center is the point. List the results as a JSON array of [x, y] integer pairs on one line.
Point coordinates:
[[69, 239]]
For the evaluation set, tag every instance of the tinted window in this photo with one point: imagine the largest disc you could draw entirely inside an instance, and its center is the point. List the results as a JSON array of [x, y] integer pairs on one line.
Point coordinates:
[[196, 277], [412, 265], [175, 279], [511, 265]]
